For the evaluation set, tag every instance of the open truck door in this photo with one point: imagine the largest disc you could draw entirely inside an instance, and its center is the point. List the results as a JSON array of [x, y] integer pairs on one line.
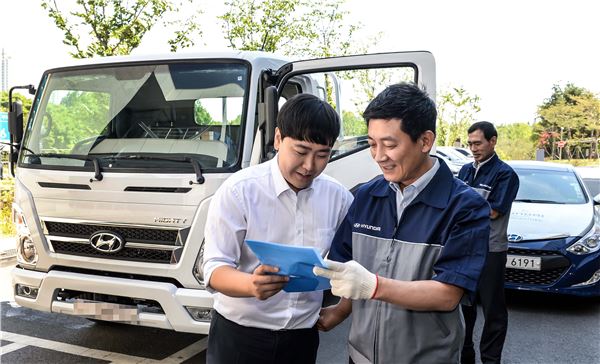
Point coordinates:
[[349, 83]]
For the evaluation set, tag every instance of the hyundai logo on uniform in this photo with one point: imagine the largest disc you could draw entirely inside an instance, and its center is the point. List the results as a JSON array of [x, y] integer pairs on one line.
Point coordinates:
[[107, 242], [514, 238]]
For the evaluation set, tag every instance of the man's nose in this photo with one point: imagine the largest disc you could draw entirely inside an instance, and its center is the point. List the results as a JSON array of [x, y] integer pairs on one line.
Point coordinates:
[[308, 163], [379, 154]]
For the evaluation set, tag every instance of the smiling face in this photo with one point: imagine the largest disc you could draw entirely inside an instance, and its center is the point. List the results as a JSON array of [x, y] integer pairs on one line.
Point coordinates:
[[481, 148], [300, 161], [401, 160]]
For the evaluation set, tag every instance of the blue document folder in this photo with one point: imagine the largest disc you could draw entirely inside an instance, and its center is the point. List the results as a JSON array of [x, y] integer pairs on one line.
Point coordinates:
[[296, 262]]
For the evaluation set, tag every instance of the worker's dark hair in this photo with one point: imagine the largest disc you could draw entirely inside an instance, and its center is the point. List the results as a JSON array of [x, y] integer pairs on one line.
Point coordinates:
[[308, 118], [408, 103]]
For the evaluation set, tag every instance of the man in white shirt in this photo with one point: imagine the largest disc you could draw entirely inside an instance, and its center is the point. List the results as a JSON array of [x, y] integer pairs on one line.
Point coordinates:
[[285, 200]]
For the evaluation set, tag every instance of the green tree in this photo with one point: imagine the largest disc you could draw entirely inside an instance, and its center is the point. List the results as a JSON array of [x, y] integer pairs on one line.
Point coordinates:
[[457, 109], [113, 27], [79, 115], [516, 141], [266, 25], [26, 102], [571, 115], [353, 125], [309, 28]]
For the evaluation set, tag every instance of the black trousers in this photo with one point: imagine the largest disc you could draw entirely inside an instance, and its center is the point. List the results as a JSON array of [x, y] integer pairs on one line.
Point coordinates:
[[490, 295], [230, 343]]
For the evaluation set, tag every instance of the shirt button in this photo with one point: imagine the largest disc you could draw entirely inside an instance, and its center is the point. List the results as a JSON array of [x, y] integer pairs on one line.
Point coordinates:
[[389, 259]]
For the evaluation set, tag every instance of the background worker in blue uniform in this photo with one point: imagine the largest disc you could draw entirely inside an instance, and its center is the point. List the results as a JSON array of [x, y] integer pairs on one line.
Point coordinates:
[[498, 184], [411, 246], [285, 200]]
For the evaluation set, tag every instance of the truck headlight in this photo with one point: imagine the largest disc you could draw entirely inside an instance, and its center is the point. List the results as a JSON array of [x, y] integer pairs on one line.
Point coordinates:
[[589, 243], [197, 270], [26, 250]]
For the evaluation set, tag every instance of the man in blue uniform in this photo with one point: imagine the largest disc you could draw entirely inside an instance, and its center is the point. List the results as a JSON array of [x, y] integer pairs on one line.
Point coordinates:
[[411, 246], [498, 184]]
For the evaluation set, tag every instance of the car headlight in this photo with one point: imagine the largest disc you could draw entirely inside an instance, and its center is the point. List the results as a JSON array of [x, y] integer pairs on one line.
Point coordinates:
[[589, 243], [26, 250]]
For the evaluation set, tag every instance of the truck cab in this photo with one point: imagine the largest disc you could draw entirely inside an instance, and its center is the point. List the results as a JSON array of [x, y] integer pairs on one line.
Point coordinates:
[[121, 155]]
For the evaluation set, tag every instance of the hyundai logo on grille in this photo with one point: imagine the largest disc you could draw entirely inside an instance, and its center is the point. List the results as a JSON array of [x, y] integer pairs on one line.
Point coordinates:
[[514, 238], [107, 242]]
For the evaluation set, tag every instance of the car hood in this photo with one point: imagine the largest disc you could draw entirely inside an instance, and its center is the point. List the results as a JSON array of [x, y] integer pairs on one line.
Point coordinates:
[[534, 221]]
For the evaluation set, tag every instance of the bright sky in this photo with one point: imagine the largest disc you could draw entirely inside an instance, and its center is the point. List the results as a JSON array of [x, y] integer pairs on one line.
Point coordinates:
[[508, 52]]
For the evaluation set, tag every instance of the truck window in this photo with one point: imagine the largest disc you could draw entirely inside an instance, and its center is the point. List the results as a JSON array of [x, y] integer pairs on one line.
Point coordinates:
[[140, 117], [349, 92]]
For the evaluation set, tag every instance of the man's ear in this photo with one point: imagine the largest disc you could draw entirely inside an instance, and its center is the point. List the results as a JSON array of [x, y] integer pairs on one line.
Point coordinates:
[[277, 140], [427, 140], [493, 141]]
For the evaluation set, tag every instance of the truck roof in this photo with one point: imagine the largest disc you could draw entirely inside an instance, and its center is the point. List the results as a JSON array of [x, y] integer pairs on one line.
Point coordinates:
[[254, 57]]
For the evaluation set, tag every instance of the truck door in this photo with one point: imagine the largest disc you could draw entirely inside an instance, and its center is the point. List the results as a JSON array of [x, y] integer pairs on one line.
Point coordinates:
[[349, 83]]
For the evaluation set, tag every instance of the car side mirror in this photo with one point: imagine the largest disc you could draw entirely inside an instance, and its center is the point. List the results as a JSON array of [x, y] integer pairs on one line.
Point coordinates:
[[597, 199]]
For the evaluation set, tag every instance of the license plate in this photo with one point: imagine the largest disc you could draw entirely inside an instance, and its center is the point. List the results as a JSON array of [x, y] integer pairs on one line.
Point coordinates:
[[524, 262], [105, 311]]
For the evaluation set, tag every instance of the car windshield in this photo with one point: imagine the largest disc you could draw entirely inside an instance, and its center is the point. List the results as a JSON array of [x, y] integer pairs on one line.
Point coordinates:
[[546, 186], [139, 117]]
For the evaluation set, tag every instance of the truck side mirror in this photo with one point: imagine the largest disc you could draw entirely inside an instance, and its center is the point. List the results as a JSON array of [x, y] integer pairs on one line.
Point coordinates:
[[271, 109], [15, 122]]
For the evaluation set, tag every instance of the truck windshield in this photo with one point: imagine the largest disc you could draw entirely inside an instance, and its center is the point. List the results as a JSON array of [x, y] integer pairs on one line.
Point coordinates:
[[179, 110]]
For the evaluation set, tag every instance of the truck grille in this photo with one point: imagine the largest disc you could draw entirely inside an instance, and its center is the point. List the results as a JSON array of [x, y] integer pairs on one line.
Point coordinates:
[[134, 254], [142, 243], [129, 233]]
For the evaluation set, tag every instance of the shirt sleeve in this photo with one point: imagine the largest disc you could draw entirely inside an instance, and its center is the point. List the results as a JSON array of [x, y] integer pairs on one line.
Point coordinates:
[[465, 249], [504, 191], [341, 247], [224, 232]]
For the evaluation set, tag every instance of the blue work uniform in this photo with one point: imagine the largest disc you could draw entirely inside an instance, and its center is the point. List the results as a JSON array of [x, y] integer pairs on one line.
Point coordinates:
[[441, 235], [498, 184]]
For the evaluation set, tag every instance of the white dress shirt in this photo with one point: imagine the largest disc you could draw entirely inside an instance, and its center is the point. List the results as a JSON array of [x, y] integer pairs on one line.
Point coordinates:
[[256, 203]]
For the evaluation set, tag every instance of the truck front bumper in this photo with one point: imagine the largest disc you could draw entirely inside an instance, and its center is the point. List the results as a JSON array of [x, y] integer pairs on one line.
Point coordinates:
[[173, 300]]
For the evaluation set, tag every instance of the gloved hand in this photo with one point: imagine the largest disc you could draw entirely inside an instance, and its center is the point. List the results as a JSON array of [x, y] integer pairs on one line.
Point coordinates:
[[349, 280]]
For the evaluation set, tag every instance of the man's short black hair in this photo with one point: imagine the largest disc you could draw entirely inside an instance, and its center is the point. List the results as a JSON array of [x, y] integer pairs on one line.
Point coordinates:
[[308, 118], [488, 129], [407, 102]]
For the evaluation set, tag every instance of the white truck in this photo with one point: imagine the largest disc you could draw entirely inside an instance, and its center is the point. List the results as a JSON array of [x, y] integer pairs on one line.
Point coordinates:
[[120, 157]]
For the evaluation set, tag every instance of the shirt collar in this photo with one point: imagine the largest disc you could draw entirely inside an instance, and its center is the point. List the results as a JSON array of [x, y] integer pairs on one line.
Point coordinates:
[[279, 182], [422, 181], [436, 193], [477, 166]]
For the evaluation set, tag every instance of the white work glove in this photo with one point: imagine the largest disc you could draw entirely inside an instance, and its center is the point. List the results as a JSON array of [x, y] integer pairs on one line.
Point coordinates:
[[349, 280]]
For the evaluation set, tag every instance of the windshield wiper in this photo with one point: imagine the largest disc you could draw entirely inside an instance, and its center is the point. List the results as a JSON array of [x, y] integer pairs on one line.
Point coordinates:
[[194, 162], [97, 171], [539, 201]]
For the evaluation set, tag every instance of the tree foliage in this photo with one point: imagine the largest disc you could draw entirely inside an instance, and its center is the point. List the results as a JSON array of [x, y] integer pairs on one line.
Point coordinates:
[[457, 109], [516, 141], [353, 124], [293, 27], [26, 102], [266, 25], [570, 115], [63, 119], [112, 27]]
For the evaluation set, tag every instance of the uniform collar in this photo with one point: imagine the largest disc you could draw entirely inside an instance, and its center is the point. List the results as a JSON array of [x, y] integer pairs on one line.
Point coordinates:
[[421, 182], [491, 160], [436, 193]]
